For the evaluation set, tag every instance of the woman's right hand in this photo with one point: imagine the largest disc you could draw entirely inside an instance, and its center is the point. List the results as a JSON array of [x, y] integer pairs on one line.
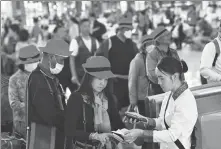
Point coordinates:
[[103, 137]]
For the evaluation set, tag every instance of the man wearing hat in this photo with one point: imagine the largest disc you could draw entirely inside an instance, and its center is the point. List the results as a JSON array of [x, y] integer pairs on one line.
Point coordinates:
[[210, 67], [138, 80], [46, 102], [120, 50], [162, 40], [28, 58]]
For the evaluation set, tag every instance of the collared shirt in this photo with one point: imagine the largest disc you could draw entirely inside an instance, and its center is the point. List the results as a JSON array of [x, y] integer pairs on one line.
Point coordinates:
[[75, 47], [212, 74], [181, 116]]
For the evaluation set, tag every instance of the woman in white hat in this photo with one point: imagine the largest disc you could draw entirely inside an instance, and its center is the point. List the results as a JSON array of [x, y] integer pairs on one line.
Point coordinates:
[[91, 112], [28, 59]]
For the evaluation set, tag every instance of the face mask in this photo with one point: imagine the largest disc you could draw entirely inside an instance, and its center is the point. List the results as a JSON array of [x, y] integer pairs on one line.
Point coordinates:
[[31, 67], [128, 34], [58, 68]]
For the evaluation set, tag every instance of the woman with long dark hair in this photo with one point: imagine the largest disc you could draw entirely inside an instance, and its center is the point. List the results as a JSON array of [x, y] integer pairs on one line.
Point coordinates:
[[91, 112]]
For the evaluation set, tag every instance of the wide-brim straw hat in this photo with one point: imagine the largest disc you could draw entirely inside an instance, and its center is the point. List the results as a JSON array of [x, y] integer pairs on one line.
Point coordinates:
[[28, 54], [57, 47], [98, 66], [147, 40]]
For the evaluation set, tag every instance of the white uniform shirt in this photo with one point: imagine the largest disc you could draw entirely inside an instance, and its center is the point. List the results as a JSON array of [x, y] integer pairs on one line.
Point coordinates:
[[181, 116], [74, 45], [212, 74]]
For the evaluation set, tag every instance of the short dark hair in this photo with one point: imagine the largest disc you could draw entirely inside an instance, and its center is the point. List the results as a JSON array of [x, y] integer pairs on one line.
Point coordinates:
[[35, 19], [92, 15], [15, 28], [84, 20], [23, 35], [21, 67], [171, 66]]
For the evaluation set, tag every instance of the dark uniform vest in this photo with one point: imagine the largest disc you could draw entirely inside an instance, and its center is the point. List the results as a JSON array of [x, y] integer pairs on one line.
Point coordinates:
[[120, 55], [83, 54]]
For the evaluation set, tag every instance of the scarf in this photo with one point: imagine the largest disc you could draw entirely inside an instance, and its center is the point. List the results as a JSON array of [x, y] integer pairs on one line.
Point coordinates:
[[101, 116]]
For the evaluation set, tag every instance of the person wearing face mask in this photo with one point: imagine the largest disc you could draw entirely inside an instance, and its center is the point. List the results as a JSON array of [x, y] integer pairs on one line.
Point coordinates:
[[46, 99], [28, 58], [138, 80], [210, 66], [64, 76], [162, 41], [120, 50]]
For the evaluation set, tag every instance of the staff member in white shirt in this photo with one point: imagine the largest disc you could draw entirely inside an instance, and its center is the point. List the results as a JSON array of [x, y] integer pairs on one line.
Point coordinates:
[[207, 70], [178, 113]]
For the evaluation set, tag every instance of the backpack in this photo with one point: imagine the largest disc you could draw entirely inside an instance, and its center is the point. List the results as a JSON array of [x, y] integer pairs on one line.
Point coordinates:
[[204, 80]]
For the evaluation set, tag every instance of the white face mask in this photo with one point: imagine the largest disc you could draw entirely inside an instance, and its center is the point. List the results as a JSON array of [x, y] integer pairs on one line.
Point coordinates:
[[128, 34], [58, 68], [31, 67]]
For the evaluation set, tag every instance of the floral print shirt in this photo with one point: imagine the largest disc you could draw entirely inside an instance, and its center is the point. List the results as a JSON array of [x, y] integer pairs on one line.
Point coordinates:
[[17, 93]]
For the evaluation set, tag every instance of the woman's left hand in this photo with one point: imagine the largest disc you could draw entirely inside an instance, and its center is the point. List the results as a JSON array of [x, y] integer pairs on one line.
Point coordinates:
[[132, 135]]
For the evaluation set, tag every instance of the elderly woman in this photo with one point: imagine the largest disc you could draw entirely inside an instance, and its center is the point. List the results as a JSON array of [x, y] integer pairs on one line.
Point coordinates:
[[178, 114], [28, 59], [91, 112]]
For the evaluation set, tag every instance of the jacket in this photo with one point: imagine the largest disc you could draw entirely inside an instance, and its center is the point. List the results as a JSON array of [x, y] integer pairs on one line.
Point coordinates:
[[74, 127], [138, 82], [17, 93], [46, 103]]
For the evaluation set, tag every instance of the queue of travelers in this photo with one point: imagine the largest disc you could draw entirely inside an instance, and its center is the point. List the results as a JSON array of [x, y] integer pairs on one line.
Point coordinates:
[[104, 77]]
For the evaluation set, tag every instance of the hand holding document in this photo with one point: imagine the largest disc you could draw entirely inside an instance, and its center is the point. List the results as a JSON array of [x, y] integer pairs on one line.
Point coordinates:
[[136, 116], [119, 134]]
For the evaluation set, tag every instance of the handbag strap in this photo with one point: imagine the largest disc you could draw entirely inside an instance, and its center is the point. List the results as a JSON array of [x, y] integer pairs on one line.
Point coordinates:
[[177, 142], [84, 117], [148, 80], [144, 59]]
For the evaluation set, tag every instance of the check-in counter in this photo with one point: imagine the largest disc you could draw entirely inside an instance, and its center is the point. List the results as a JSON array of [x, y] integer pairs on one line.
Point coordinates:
[[208, 126]]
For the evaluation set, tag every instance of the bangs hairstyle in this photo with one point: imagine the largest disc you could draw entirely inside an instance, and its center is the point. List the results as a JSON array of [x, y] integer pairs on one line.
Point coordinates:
[[23, 35], [86, 87], [171, 66]]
